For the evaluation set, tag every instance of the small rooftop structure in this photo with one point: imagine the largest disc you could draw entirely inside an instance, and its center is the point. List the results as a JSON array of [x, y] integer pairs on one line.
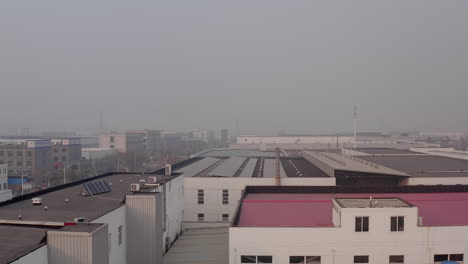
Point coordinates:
[[371, 202]]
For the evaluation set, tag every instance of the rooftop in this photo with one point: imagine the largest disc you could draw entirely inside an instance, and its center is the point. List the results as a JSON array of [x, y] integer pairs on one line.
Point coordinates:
[[246, 167], [372, 202], [389, 151], [423, 165], [237, 153], [339, 162], [65, 203], [312, 206]]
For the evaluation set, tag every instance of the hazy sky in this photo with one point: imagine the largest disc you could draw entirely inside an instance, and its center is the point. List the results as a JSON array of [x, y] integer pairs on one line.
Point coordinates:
[[292, 65]]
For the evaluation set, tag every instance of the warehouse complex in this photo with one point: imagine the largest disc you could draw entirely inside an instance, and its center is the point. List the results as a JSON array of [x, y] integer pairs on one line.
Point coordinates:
[[364, 205]]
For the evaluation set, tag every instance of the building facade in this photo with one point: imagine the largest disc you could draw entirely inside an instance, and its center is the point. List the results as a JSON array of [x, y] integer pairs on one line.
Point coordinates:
[[285, 227], [30, 158]]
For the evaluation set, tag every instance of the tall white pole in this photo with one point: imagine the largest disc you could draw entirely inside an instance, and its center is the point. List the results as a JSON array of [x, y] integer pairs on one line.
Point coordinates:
[[355, 118]]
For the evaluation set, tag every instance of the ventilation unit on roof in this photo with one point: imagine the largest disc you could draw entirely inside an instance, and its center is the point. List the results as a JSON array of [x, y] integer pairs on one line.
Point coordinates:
[[168, 170], [152, 180], [135, 187], [36, 201], [79, 220]]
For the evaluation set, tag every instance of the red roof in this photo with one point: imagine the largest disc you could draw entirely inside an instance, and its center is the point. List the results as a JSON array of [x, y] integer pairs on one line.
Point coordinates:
[[315, 210]]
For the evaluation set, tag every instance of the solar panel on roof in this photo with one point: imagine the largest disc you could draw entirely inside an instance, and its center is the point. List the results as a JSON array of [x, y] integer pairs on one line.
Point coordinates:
[[97, 187]]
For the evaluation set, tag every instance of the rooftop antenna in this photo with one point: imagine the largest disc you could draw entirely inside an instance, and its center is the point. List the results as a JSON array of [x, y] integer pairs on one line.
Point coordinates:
[[355, 119]]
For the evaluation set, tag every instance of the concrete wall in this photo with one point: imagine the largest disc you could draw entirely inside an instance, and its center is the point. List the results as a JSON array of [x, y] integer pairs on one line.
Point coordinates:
[[38, 256], [213, 187], [338, 245], [114, 220], [435, 181]]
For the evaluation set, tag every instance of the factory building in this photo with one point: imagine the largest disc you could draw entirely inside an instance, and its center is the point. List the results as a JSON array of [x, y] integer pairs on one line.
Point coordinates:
[[112, 218], [348, 225], [214, 179]]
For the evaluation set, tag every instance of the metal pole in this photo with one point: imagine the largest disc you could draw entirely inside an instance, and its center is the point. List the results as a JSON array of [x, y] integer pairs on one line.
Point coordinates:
[[22, 184], [64, 171]]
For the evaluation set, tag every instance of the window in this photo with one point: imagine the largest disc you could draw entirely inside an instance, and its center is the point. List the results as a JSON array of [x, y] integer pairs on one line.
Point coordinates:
[[19, 163], [447, 257], [201, 217], [120, 235], [305, 259], [19, 154], [64, 150], [29, 163], [362, 224], [256, 259], [55, 150], [1, 153], [64, 158], [361, 259], [396, 259], [397, 224], [201, 197], [225, 196], [28, 153], [112, 139], [225, 217], [10, 153]]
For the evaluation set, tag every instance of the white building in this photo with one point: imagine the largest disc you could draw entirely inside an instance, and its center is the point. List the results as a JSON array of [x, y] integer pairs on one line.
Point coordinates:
[[119, 226], [213, 185], [316, 226], [5, 193]]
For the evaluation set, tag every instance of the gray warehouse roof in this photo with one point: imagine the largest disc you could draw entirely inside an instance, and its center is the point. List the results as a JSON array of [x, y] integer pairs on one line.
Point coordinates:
[[423, 165], [89, 207]]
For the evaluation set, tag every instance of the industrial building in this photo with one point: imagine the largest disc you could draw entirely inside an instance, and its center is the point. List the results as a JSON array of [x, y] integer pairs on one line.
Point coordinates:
[[112, 218], [214, 181], [350, 224]]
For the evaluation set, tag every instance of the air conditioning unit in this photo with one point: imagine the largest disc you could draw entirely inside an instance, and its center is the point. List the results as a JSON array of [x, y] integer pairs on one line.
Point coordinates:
[[135, 187], [36, 201], [152, 180], [79, 220], [168, 170]]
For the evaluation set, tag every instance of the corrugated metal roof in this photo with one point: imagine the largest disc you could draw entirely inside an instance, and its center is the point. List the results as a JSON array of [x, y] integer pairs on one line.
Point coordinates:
[[228, 168], [249, 168]]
